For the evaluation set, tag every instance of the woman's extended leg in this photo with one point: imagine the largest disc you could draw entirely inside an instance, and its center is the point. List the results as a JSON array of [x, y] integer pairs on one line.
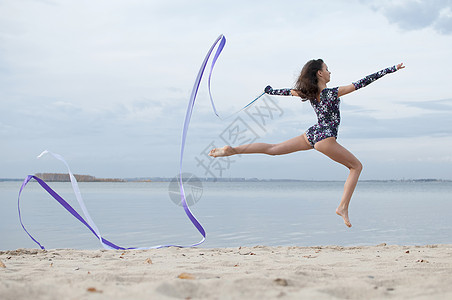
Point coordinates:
[[336, 152], [298, 143]]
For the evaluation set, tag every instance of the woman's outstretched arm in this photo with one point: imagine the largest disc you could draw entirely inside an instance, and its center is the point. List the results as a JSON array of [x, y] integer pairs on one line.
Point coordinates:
[[280, 92], [346, 89]]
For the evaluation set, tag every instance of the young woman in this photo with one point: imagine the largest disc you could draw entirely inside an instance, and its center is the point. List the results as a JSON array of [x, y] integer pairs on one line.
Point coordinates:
[[311, 85]]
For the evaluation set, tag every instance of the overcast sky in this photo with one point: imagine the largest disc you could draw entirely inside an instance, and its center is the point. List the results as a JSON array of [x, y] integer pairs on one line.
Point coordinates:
[[106, 84]]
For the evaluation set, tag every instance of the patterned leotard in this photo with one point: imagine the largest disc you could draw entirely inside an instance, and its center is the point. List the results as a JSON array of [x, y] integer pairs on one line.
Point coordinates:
[[328, 116], [327, 109]]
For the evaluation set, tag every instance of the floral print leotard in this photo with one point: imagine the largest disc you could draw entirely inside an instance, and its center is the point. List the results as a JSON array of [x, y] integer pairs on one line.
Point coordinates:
[[327, 109], [328, 116]]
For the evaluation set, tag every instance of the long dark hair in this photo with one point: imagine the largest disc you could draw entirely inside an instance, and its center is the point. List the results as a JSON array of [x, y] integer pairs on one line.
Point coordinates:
[[306, 85]]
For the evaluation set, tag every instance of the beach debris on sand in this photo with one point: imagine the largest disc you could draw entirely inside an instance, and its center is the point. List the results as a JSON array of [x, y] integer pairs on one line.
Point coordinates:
[[93, 290], [281, 281], [186, 276]]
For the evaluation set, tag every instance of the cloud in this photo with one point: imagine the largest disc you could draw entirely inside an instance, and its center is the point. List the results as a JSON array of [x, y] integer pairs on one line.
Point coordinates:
[[416, 14], [432, 119], [107, 84]]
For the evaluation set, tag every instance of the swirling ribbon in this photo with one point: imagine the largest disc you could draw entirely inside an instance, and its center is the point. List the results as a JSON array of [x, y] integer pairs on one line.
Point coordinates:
[[89, 223]]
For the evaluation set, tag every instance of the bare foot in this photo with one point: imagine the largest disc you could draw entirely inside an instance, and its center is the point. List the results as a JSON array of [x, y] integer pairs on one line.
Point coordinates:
[[225, 151], [344, 214]]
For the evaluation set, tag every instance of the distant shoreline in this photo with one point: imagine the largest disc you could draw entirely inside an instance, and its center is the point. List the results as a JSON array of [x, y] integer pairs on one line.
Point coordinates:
[[54, 177]]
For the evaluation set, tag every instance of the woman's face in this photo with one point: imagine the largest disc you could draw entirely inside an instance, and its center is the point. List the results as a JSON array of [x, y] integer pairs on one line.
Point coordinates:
[[325, 73]]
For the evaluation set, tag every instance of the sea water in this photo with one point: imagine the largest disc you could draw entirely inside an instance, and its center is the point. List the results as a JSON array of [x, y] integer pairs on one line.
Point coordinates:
[[142, 214]]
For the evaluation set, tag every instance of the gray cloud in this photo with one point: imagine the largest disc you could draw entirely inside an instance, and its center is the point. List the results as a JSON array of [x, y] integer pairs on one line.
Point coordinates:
[[434, 122], [417, 14], [110, 92], [444, 106]]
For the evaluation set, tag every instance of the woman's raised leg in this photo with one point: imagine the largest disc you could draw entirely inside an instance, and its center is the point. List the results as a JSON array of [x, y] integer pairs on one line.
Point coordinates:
[[295, 144], [338, 153]]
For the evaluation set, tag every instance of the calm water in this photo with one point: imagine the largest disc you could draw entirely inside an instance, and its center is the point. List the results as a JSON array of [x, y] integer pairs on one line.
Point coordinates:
[[233, 214]]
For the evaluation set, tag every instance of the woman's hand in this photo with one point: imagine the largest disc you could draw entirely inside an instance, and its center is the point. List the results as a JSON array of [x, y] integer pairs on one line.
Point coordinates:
[[268, 89], [400, 66]]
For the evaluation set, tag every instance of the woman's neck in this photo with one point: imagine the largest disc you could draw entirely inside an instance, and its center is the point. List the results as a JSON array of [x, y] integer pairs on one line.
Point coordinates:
[[321, 86]]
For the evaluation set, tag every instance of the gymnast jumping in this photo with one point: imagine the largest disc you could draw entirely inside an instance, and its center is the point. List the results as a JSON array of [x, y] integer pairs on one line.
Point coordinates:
[[312, 85]]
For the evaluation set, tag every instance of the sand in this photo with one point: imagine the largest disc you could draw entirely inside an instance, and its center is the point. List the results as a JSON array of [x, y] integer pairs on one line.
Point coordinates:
[[261, 272]]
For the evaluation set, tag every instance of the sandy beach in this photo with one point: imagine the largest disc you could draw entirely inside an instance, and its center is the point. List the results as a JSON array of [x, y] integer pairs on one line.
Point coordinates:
[[261, 272]]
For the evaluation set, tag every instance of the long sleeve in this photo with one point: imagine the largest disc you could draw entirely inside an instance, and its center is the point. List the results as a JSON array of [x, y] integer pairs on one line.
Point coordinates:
[[279, 92], [371, 78]]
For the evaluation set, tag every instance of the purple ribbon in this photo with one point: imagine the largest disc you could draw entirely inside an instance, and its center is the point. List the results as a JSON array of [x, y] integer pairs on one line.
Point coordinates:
[[190, 215], [191, 104], [222, 41], [66, 205]]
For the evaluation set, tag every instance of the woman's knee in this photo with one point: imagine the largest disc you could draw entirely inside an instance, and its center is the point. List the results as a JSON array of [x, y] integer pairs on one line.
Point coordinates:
[[357, 166]]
